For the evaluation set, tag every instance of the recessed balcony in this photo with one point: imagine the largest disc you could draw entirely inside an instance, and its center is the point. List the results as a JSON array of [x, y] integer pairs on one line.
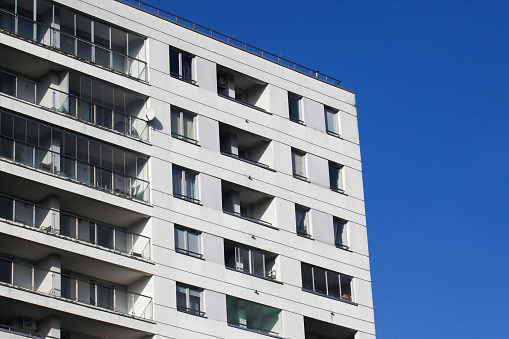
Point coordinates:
[[82, 98], [76, 35], [246, 146], [73, 157], [242, 88], [72, 227], [247, 204], [54, 283]]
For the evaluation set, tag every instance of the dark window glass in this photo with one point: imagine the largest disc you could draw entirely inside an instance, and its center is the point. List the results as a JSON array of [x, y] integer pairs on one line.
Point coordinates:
[[174, 63], [5, 271], [333, 284], [307, 276], [6, 208], [186, 68], [319, 278], [293, 104]]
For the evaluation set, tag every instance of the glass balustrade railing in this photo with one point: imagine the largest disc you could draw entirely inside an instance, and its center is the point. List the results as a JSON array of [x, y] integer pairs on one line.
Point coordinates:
[[79, 108], [71, 44], [71, 168], [70, 226], [64, 286]]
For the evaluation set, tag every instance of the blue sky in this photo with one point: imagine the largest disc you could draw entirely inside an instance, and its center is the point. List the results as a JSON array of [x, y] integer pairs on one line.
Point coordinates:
[[432, 84]]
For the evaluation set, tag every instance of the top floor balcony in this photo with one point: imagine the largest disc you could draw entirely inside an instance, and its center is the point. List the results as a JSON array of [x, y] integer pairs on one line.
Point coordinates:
[[75, 34]]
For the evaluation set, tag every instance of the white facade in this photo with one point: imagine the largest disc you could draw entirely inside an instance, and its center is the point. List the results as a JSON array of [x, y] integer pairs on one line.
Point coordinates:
[[237, 211]]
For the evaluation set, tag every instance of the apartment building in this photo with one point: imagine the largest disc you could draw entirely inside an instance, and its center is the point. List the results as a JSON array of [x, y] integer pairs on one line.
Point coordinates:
[[162, 180]]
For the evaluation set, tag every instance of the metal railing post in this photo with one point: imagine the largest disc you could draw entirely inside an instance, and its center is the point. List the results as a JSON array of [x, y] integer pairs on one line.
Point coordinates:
[[132, 243], [114, 239], [132, 302], [13, 209], [16, 87], [33, 278], [114, 299], [33, 216], [76, 222]]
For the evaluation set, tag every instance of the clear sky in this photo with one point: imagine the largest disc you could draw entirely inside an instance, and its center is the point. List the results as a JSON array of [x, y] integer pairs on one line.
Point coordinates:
[[432, 84]]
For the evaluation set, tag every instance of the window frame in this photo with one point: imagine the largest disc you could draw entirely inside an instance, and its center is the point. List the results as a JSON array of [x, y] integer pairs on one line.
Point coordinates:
[[335, 133], [187, 309], [181, 136], [251, 270], [298, 153], [180, 75], [307, 224], [340, 185], [186, 250], [299, 119], [341, 278], [344, 238], [183, 187]]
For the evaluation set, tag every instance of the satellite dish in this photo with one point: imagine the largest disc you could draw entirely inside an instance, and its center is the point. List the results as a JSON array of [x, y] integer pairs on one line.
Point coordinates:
[[150, 114]]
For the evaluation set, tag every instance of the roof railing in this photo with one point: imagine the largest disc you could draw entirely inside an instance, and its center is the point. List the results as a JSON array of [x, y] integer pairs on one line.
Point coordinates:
[[232, 41]]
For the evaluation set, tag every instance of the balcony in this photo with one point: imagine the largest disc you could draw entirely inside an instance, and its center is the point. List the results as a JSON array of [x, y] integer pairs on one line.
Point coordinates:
[[68, 32], [72, 157], [70, 288], [23, 320], [55, 222], [246, 146], [247, 204], [242, 88], [77, 106]]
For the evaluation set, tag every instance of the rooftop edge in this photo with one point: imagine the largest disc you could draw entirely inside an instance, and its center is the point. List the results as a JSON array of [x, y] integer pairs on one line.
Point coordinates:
[[233, 42]]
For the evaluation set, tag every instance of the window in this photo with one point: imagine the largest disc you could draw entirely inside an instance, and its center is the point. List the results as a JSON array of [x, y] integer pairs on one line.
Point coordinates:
[[294, 108], [181, 66], [326, 282], [187, 242], [101, 295], [182, 125], [189, 299], [331, 122], [5, 271], [184, 184], [250, 260], [336, 177], [298, 164], [302, 221], [340, 235], [253, 316]]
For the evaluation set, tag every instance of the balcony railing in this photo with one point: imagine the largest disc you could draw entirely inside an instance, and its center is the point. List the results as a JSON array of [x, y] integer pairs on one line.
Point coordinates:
[[186, 198], [191, 311], [271, 275], [50, 220], [184, 138], [71, 44], [81, 109], [252, 162], [233, 42], [73, 169], [255, 329], [78, 290], [247, 217], [24, 333], [188, 252]]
